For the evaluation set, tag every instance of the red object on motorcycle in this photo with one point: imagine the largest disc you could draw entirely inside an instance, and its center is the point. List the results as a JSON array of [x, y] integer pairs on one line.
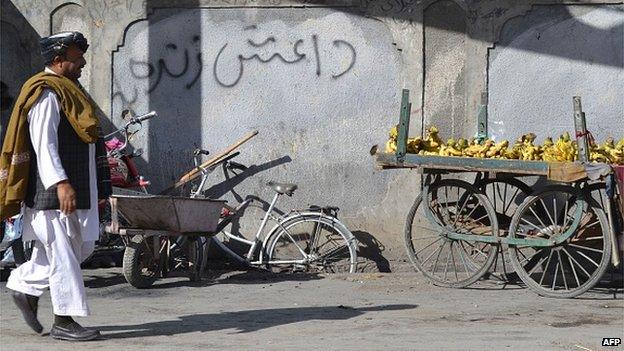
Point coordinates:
[[124, 173], [119, 172], [131, 166]]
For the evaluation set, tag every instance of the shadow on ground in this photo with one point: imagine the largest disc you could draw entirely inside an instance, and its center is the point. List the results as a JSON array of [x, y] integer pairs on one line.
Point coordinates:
[[223, 275], [610, 287], [370, 250], [241, 321]]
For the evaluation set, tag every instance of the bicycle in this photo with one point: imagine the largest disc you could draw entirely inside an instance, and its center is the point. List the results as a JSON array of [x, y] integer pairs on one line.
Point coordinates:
[[309, 240]]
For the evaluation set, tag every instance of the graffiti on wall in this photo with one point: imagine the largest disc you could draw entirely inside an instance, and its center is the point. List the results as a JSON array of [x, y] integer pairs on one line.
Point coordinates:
[[389, 6], [146, 70], [297, 56], [189, 64]]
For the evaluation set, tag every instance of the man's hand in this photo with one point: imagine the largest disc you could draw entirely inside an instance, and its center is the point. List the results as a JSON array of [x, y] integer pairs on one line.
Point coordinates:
[[66, 196]]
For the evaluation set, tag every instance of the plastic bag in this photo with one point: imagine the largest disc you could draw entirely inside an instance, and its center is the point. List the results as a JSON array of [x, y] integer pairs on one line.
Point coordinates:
[[12, 231]]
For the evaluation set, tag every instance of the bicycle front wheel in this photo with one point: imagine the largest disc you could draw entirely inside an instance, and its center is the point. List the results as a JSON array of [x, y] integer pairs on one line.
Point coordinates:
[[312, 244]]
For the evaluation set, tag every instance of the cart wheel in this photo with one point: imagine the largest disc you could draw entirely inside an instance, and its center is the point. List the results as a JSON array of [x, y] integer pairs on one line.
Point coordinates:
[[453, 206], [506, 195], [140, 266], [577, 264]]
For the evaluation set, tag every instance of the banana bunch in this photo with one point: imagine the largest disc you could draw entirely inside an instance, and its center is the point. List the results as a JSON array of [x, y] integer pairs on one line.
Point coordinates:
[[431, 144], [564, 149], [391, 144], [478, 150], [530, 151], [608, 152], [413, 144], [452, 148]]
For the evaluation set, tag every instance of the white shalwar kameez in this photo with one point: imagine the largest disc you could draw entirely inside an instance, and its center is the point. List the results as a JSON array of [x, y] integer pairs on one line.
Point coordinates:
[[62, 242]]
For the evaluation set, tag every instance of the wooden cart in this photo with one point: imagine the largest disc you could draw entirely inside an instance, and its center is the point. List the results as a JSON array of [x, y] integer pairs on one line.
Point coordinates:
[[559, 236]]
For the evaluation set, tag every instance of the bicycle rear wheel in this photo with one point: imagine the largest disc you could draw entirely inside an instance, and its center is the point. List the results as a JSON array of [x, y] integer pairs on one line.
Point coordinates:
[[312, 244]]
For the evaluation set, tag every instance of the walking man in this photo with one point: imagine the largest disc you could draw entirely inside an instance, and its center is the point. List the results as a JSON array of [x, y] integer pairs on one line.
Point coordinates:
[[50, 172]]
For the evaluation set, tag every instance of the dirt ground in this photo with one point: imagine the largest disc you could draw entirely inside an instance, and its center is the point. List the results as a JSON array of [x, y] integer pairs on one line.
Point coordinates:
[[244, 310]]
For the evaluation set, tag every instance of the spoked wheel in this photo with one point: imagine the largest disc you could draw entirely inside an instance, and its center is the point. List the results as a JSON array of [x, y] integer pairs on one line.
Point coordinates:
[[598, 192], [450, 206], [506, 195], [141, 267], [312, 244], [572, 267]]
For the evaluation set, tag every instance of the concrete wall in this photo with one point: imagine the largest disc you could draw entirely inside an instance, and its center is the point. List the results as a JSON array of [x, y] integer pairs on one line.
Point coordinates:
[[321, 82], [19, 57], [445, 68], [550, 55]]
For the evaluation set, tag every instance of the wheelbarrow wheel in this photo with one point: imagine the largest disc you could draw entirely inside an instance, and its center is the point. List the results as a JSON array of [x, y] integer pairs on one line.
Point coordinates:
[[140, 267], [455, 206], [575, 265]]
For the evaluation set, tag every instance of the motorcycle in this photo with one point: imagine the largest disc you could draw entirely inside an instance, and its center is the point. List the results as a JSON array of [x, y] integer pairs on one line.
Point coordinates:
[[124, 173], [125, 178]]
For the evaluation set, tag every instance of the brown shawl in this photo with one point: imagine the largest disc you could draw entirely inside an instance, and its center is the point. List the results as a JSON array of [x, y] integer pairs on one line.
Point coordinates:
[[15, 158]]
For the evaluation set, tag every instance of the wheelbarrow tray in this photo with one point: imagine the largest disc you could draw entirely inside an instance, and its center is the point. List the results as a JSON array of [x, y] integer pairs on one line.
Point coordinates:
[[169, 213]]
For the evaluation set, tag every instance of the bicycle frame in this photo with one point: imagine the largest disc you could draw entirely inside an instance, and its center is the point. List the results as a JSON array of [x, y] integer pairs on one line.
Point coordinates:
[[258, 241]]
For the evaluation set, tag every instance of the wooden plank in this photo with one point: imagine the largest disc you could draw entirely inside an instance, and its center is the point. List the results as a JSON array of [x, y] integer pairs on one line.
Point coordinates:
[[194, 173], [463, 164]]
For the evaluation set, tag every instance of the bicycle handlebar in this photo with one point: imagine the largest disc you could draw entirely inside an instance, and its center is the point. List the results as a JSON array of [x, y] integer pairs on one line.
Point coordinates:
[[201, 152]]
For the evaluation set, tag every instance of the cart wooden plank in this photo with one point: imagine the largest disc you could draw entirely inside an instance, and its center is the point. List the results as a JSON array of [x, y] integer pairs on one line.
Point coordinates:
[[563, 171], [467, 164]]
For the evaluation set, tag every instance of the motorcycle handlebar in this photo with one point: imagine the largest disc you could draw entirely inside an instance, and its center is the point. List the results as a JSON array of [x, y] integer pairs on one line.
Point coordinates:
[[145, 116], [133, 120]]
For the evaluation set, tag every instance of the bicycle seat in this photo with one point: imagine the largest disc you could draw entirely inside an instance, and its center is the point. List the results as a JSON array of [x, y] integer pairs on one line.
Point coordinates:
[[283, 188]]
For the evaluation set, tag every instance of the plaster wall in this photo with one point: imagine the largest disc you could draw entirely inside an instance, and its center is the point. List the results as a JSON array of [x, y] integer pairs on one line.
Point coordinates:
[[321, 82], [550, 55], [18, 58]]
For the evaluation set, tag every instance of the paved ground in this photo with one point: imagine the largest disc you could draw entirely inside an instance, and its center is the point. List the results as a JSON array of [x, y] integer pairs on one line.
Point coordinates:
[[367, 311]]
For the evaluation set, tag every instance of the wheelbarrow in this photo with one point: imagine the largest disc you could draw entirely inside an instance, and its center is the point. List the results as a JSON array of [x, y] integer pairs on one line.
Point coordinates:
[[163, 234]]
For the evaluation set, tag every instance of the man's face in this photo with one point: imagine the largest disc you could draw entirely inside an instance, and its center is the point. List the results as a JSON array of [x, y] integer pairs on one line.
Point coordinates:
[[72, 63]]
